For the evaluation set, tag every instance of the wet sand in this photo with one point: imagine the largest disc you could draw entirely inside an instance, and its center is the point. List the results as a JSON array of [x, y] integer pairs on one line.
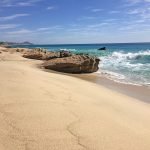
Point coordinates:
[[139, 92]]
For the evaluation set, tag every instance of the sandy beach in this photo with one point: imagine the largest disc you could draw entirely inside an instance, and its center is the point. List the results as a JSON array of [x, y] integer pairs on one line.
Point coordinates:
[[42, 110], [140, 92]]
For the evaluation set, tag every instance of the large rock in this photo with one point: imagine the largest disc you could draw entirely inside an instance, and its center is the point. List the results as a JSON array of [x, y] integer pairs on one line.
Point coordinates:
[[35, 55], [45, 55], [73, 64]]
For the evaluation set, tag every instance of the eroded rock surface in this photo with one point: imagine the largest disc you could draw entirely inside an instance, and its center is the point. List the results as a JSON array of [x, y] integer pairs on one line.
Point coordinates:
[[45, 55], [64, 61], [73, 64]]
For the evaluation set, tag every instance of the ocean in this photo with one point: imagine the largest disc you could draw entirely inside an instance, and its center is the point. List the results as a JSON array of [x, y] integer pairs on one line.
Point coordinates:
[[128, 63]]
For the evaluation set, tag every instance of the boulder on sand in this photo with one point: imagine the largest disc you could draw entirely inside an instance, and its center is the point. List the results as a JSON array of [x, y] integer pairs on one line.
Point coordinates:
[[45, 55], [73, 64], [64, 61]]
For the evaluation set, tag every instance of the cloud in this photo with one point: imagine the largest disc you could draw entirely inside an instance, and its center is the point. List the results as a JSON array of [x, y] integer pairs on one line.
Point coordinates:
[[50, 28], [20, 4], [134, 2], [135, 11], [98, 25], [17, 3], [8, 26], [42, 30], [142, 13], [18, 32], [135, 27], [96, 10], [86, 18], [89, 29], [114, 12], [24, 4], [50, 8], [12, 17]]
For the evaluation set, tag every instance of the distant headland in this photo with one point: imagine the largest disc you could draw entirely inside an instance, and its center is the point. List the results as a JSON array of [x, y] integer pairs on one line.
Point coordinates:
[[7, 44]]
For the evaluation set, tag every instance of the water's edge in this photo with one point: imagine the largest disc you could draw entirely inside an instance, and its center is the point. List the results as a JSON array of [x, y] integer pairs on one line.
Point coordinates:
[[127, 63], [141, 93]]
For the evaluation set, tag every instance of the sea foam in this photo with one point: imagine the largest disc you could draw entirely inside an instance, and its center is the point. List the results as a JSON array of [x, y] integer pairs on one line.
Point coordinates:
[[127, 67]]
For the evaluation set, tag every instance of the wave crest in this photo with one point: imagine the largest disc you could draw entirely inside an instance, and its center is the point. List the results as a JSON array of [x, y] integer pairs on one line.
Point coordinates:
[[135, 67], [130, 56]]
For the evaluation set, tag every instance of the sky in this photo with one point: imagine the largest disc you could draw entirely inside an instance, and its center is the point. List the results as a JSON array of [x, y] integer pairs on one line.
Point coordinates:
[[75, 21]]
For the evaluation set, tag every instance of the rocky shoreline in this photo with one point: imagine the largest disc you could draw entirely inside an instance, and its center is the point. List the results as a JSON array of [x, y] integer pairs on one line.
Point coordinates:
[[42, 110], [64, 61]]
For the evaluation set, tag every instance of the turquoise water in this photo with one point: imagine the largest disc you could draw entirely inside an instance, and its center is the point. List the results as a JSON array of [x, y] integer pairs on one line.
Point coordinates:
[[127, 63]]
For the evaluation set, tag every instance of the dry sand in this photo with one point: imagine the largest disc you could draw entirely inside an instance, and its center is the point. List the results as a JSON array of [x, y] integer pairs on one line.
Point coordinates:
[[48, 111]]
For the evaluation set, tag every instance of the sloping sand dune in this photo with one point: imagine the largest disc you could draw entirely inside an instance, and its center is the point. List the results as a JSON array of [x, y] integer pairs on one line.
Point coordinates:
[[48, 111]]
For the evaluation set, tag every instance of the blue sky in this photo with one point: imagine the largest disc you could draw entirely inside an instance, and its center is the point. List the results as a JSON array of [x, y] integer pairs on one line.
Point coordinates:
[[75, 21]]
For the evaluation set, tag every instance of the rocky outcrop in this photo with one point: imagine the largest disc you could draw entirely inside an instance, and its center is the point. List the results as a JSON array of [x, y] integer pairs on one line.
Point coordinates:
[[64, 61], [45, 55], [35, 55], [65, 54], [73, 64]]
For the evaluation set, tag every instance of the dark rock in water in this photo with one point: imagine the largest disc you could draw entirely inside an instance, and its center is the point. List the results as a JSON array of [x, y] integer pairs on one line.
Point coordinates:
[[138, 57], [73, 64], [103, 48]]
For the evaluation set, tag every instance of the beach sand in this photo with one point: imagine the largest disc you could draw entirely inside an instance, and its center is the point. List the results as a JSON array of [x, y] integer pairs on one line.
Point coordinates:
[[48, 111], [140, 92]]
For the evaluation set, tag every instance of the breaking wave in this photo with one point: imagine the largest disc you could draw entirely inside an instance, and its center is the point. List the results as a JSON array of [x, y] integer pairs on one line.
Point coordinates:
[[131, 56], [127, 67]]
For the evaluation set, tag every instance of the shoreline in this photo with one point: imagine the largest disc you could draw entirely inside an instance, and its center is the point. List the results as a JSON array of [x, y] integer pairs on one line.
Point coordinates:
[[141, 93]]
